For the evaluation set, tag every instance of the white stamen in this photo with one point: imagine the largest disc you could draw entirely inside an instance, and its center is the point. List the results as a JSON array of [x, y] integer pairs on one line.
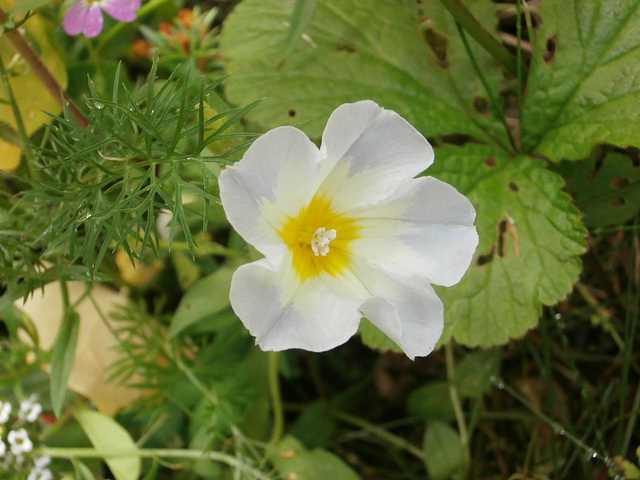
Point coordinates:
[[321, 240]]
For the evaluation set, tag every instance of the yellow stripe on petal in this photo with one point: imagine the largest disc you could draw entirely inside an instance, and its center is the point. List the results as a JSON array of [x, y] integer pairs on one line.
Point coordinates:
[[312, 242]]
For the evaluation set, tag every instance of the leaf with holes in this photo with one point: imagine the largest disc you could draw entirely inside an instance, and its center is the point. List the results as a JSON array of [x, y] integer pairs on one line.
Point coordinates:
[[530, 238], [360, 49], [584, 83], [607, 191]]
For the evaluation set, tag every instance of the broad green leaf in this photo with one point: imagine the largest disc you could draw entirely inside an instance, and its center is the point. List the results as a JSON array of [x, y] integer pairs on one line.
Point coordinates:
[[584, 82], [107, 435], [530, 238], [206, 297], [64, 352], [355, 50], [431, 401], [607, 191], [474, 372], [22, 6], [302, 14], [292, 460], [374, 338], [443, 451]]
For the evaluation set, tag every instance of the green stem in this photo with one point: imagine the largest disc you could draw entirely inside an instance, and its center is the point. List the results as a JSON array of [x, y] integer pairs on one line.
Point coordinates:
[[230, 460], [455, 401], [380, 432], [630, 329], [465, 18], [118, 27], [495, 106], [205, 249], [548, 420], [209, 394], [276, 399], [519, 50], [64, 291]]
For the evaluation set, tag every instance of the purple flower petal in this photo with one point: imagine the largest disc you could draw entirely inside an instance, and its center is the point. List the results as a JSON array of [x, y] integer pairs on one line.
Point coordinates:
[[74, 19], [93, 21], [123, 10], [83, 18]]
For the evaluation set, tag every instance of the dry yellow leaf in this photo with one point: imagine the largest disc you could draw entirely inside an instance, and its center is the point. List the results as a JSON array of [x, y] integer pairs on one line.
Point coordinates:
[[95, 351], [32, 98], [9, 156], [136, 274]]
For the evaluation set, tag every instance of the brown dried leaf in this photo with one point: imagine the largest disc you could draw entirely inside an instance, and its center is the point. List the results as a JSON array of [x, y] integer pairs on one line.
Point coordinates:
[[95, 351]]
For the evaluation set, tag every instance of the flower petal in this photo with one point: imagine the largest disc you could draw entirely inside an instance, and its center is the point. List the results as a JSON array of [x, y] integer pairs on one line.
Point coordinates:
[[282, 313], [123, 10], [345, 125], [83, 18], [426, 230], [378, 151], [74, 19], [275, 179], [406, 309]]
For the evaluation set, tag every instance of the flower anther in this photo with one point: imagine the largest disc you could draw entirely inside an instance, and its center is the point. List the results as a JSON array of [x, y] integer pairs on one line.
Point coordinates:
[[346, 231], [321, 240]]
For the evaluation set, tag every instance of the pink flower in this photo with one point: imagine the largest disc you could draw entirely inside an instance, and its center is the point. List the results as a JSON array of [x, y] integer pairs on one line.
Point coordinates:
[[86, 15]]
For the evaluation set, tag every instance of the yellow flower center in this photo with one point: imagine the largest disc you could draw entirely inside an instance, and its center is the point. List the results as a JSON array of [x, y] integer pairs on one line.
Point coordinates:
[[319, 239]]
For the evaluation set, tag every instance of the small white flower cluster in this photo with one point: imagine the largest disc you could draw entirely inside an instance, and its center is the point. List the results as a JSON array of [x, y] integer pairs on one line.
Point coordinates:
[[16, 444]]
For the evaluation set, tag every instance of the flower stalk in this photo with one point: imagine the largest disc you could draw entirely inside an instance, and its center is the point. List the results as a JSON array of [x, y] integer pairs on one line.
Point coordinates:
[[455, 401], [22, 47], [276, 399], [470, 24], [230, 460]]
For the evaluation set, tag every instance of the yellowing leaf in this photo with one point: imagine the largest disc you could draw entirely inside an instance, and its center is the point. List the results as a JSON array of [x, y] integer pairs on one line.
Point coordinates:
[[107, 435], [9, 156], [33, 100], [137, 273], [95, 349]]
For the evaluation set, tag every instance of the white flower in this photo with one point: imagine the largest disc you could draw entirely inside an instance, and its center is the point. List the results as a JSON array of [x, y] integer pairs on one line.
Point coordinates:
[[40, 474], [3, 448], [5, 411], [41, 462], [30, 409], [19, 441], [346, 231]]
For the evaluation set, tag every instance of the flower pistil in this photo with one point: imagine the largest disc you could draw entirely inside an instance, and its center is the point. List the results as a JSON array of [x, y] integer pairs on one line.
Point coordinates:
[[309, 234]]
